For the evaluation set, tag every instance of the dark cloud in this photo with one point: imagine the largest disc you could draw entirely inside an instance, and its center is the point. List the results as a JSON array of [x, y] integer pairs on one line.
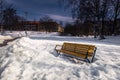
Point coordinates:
[[38, 8]]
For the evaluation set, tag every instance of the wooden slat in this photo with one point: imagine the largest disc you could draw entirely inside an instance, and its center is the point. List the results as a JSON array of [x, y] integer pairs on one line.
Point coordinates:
[[68, 47], [73, 53]]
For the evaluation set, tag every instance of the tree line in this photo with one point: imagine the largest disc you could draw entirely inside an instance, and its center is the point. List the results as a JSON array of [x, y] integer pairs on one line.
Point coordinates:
[[97, 11]]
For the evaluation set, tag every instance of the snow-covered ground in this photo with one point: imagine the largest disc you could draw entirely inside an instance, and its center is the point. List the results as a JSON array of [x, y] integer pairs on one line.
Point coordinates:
[[2, 38], [34, 58]]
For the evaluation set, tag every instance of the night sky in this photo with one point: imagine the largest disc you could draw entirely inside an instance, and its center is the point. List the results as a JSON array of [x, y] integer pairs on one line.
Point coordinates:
[[39, 8]]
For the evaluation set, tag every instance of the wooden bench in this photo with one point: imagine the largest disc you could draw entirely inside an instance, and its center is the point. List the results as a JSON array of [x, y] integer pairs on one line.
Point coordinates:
[[82, 51]]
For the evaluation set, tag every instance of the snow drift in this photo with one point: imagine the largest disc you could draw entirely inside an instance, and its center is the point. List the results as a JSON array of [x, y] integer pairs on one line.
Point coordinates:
[[28, 59], [2, 38]]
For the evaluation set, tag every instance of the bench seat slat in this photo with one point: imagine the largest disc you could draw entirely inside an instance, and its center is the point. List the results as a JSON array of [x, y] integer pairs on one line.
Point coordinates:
[[74, 54]]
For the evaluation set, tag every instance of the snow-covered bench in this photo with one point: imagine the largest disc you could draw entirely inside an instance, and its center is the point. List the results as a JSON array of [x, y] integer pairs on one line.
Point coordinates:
[[82, 51]]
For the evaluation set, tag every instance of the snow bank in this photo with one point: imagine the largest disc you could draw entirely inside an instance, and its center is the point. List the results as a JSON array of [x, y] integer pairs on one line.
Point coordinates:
[[2, 38], [30, 33], [5, 37], [28, 59], [1, 41]]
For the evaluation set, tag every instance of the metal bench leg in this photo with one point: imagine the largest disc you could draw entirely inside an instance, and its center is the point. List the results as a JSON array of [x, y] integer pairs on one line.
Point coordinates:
[[87, 60], [93, 55], [58, 53]]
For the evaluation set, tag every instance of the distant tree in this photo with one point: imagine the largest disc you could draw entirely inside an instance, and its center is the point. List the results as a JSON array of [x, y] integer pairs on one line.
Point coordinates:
[[104, 10], [116, 11], [69, 29], [1, 9], [2, 2], [83, 29], [80, 9], [87, 28], [89, 10], [46, 19], [21, 18], [9, 17], [47, 23]]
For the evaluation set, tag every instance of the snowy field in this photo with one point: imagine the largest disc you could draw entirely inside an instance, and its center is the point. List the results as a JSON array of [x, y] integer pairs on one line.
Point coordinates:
[[34, 58]]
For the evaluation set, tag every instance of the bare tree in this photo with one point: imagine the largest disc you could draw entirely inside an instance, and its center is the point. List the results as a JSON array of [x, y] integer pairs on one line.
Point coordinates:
[[1, 15], [9, 18], [46, 19], [3, 7], [90, 10], [45, 23], [104, 11], [96, 10], [116, 10]]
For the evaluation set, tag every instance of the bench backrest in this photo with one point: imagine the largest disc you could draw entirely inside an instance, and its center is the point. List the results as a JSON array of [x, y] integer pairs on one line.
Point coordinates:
[[68, 47], [79, 48]]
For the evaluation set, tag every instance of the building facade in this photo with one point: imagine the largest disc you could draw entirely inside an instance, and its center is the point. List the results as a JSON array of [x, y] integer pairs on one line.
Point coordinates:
[[39, 26]]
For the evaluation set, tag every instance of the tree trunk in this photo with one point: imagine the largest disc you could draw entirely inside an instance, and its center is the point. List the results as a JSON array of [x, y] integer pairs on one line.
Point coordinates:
[[101, 35], [114, 26]]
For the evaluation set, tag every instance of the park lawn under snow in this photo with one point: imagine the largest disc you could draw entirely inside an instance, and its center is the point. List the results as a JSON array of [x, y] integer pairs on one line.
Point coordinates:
[[34, 58]]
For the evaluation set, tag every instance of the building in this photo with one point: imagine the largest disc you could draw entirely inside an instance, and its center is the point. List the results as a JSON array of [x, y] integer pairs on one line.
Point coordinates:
[[39, 26]]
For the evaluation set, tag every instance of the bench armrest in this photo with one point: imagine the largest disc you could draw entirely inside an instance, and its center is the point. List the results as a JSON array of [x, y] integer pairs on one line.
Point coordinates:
[[57, 46]]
